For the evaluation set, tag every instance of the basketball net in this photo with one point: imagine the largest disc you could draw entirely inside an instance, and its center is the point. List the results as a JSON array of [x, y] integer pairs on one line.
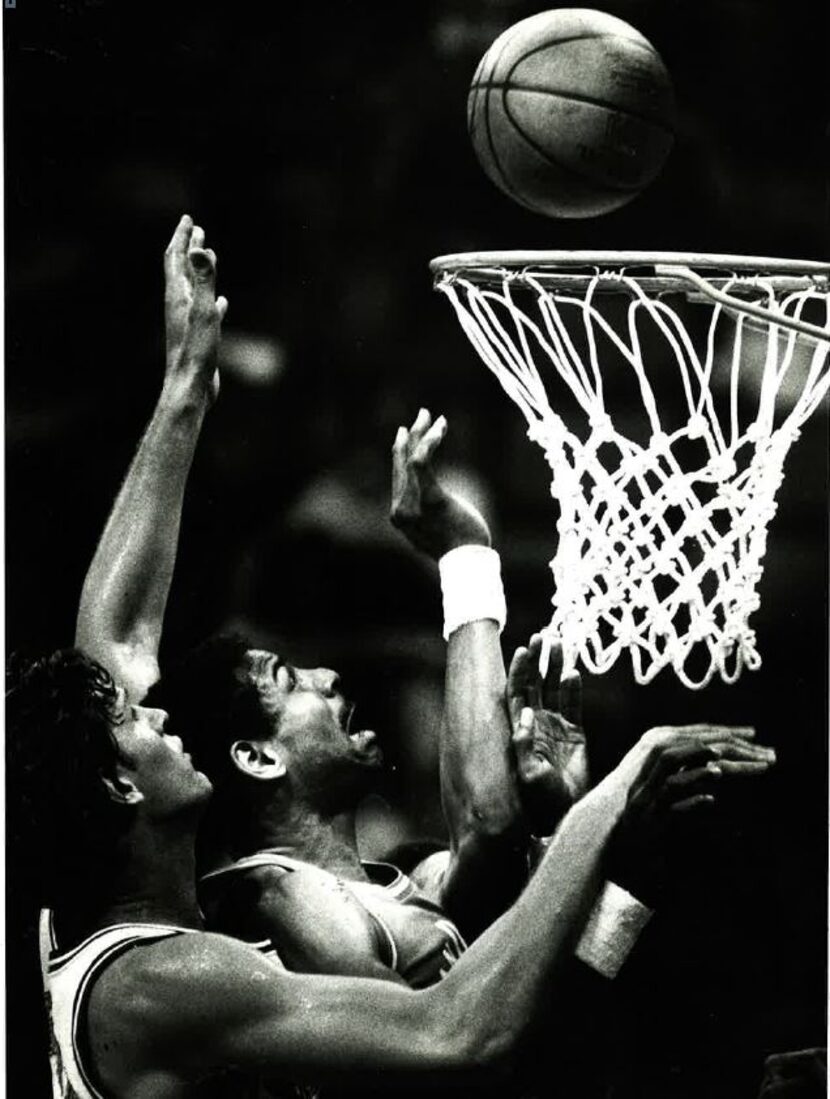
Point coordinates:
[[657, 554]]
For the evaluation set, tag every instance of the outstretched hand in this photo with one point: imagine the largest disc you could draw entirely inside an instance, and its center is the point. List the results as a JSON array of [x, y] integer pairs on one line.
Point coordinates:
[[686, 769], [432, 519], [193, 313], [548, 741]]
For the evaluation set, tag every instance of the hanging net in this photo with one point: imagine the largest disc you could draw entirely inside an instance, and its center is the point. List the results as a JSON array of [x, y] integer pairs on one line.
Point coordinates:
[[665, 403]]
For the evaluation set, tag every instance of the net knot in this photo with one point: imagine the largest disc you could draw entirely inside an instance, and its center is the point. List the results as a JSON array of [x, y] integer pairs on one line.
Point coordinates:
[[722, 468], [659, 443], [697, 426], [548, 433], [702, 625], [676, 489], [661, 621], [602, 427]]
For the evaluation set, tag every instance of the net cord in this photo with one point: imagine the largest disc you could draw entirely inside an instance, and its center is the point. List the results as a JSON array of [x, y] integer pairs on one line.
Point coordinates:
[[487, 316]]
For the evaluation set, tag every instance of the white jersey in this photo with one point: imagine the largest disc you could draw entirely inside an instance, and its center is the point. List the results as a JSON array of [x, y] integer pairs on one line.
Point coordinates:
[[67, 978]]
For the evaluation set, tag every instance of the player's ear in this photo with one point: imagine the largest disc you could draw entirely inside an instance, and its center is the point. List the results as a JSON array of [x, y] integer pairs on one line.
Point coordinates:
[[258, 759], [121, 789]]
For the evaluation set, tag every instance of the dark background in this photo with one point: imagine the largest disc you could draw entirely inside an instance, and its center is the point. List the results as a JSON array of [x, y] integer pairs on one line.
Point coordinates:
[[323, 147]]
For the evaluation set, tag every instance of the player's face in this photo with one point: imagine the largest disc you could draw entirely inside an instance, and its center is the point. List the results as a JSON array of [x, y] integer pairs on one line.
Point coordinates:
[[313, 725], [156, 763]]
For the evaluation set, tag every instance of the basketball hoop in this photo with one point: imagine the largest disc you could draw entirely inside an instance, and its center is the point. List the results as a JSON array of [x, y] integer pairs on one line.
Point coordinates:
[[683, 380]]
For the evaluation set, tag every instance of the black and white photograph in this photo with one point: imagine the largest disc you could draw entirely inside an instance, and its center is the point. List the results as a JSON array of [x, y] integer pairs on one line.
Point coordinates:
[[416, 549]]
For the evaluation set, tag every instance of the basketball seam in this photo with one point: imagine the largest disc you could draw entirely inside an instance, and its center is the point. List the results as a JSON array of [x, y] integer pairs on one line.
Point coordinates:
[[575, 172], [488, 87], [578, 99], [581, 38]]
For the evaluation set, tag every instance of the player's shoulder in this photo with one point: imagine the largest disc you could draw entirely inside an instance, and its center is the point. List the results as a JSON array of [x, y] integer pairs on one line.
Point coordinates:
[[165, 1007], [272, 900], [300, 883], [163, 978]]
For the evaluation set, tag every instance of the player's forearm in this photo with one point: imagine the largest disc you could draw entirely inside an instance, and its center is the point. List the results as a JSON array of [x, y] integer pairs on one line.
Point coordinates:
[[477, 780], [478, 789], [495, 989], [125, 591]]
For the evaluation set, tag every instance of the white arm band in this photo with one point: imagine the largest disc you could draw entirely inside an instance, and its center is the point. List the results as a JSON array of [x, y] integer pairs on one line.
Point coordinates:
[[612, 929], [472, 588]]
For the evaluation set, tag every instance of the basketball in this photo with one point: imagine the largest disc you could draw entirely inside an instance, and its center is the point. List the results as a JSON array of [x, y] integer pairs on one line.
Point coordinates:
[[571, 113]]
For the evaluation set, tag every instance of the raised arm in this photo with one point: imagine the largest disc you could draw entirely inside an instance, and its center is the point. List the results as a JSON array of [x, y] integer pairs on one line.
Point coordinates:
[[125, 591], [486, 866]]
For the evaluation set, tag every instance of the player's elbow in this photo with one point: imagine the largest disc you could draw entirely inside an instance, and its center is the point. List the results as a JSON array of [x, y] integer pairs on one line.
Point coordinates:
[[491, 827], [491, 1051], [134, 666]]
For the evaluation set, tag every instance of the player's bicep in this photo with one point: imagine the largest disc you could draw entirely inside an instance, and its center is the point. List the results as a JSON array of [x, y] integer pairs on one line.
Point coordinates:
[[318, 926], [318, 1027], [225, 1005]]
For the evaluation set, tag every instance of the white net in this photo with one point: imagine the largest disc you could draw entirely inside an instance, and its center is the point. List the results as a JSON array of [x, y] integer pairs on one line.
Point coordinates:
[[662, 527]]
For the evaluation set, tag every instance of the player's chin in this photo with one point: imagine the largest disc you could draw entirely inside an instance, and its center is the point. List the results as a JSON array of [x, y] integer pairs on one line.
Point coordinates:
[[365, 748], [202, 784]]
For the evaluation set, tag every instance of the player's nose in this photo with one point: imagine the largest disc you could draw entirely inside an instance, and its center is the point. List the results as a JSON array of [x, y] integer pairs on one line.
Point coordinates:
[[328, 681], [158, 719]]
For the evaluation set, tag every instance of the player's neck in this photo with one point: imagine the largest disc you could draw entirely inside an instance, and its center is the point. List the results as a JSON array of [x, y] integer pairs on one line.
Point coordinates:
[[156, 882], [302, 833]]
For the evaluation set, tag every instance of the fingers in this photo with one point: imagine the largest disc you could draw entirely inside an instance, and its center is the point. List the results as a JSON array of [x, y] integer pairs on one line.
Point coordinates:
[[175, 256], [420, 425], [570, 698], [424, 444], [671, 758], [412, 449], [691, 789], [555, 692], [202, 266], [743, 750], [417, 443], [552, 674], [702, 730], [523, 737], [683, 770], [522, 678], [750, 767], [400, 449], [221, 307], [698, 801]]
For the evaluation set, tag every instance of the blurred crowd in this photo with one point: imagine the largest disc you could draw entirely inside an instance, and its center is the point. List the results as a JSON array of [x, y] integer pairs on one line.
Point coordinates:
[[323, 146]]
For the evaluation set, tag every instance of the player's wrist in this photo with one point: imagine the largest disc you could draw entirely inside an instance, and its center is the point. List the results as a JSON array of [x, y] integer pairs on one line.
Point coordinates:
[[465, 538], [186, 392], [471, 587], [614, 926]]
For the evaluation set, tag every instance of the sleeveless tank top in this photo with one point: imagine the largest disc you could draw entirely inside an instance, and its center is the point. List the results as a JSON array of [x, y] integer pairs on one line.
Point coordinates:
[[416, 939], [67, 978]]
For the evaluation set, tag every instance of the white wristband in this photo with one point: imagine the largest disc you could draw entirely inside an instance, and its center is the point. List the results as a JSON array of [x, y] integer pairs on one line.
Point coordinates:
[[471, 586], [612, 929]]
